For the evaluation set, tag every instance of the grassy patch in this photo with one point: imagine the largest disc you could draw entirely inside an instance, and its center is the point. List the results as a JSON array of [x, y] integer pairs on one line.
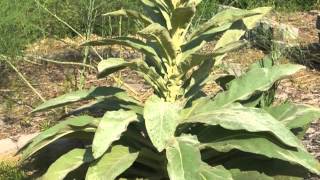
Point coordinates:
[[9, 171]]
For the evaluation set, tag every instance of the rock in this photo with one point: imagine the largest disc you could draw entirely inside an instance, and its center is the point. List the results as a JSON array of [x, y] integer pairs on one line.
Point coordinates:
[[2, 124], [314, 12], [24, 139], [8, 146], [288, 34]]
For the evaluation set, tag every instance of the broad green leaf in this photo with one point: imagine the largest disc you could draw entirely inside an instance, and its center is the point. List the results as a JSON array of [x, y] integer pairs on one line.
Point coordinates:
[[67, 163], [132, 14], [69, 126], [255, 167], [111, 65], [161, 119], [112, 164], [207, 36], [249, 175], [78, 96], [242, 88], [225, 141], [199, 77], [110, 128], [234, 34], [162, 35], [196, 58], [188, 59], [222, 18], [181, 20], [151, 76], [184, 159], [153, 12], [218, 173], [237, 117], [237, 30], [294, 115], [139, 45]]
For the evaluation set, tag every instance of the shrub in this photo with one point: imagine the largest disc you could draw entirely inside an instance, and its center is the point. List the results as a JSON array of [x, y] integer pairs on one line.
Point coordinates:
[[179, 132]]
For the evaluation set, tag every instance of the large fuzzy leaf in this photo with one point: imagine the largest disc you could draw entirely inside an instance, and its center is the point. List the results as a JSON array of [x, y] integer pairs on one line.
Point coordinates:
[[67, 163], [294, 115], [218, 172], [130, 42], [258, 79], [224, 17], [162, 35], [199, 77], [237, 117], [108, 104], [112, 164], [224, 141], [184, 159], [240, 28], [250, 175], [181, 20], [111, 65], [188, 59], [252, 167], [132, 14], [110, 128], [206, 37], [79, 96], [69, 126], [161, 119]]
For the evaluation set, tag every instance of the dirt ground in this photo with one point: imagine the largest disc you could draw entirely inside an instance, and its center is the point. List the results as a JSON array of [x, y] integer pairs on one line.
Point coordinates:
[[51, 80]]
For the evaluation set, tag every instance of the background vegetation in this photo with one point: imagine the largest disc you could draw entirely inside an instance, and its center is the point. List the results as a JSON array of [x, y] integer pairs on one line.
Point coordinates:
[[23, 22]]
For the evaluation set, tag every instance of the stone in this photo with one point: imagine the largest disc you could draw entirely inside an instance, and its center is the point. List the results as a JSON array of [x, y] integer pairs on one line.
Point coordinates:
[[24, 139], [288, 33], [2, 124], [8, 146]]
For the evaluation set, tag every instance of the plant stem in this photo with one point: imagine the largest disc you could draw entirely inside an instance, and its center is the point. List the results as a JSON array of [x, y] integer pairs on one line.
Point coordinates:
[[23, 78], [63, 63]]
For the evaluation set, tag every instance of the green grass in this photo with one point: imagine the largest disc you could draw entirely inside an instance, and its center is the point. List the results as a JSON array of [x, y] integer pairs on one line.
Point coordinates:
[[11, 172]]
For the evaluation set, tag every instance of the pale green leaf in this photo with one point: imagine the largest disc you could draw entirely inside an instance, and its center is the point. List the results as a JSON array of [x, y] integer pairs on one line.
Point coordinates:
[[184, 159], [249, 175], [222, 18], [217, 173], [237, 117], [132, 14], [67, 163], [78, 96], [294, 115], [254, 167], [161, 120], [111, 65], [110, 129], [137, 44], [162, 35], [181, 20], [112, 164], [69, 126], [259, 79], [225, 141], [237, 30]]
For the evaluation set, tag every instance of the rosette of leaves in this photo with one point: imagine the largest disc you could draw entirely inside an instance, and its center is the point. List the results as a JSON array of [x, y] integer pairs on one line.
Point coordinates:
[[179, 133]]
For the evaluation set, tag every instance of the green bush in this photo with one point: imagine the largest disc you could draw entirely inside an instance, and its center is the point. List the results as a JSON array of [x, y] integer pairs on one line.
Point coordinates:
[[10, 172], [180, 133]]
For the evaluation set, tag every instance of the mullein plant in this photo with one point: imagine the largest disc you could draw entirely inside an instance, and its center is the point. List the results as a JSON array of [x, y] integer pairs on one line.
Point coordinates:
[[179, 133]]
